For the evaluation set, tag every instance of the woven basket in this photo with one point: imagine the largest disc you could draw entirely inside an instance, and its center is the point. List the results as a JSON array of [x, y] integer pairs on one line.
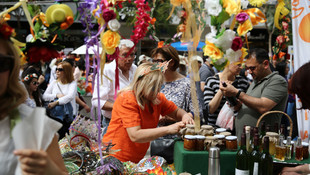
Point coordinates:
[[274, 112]]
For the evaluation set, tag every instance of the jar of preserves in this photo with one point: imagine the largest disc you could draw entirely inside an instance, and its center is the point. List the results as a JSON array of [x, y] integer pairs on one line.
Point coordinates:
[[188, 130], [305, 150], [273, 141], [231, 143], [225, 133], [219, 130], [189, 142], [206, 130], [220, 142], [200, 142], [209, 142]]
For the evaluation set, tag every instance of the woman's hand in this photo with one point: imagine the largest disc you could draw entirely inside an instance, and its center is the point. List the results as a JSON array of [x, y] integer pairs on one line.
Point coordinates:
[[52, 104], [188, 118], [175, 128], [33, 162], [41, 79]]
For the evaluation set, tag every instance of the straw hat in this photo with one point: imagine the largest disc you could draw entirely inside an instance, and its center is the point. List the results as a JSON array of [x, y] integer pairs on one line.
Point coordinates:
[[57, 13]]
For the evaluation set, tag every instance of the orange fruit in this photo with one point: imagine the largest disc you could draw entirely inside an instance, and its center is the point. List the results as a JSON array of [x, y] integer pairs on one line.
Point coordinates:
[[69, 20], [64, 26]]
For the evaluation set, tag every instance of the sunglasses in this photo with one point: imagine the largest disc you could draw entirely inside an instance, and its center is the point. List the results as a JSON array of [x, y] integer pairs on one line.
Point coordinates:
[[35, 83], [158, 61], [252, 68], [59, 69], [6, 62]]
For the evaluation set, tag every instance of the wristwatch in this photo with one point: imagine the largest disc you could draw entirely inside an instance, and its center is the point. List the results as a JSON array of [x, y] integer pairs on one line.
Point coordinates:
[[238, 94]]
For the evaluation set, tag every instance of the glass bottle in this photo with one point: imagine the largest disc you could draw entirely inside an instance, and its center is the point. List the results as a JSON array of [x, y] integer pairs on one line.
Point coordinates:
[[247, 137], [283, 131], [262, 134], [299, 148], [280, 150], [305, 150], [289, 148], [255, 156], [242, 158], [266, 162]]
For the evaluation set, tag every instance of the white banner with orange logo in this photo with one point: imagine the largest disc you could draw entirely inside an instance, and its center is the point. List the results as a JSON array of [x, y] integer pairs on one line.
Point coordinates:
[[301, 44]]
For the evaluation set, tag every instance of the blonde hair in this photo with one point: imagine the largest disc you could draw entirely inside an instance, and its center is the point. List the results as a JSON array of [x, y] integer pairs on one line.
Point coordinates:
[[15, 93], [68, 75], [146, 85]]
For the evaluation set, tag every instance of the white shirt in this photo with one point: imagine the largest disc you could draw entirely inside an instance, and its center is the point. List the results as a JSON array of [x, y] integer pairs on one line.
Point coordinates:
[[8, 161], [107, 87], [53, 76], [69, 90]]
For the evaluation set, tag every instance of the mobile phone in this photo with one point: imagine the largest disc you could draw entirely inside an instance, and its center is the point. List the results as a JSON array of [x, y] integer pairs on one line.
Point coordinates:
[[224, 84]]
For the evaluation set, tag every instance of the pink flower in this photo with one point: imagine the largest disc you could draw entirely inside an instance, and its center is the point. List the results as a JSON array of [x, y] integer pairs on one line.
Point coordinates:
[[107, 15], [242, 17], [284, 25], [236, 44], [280, 39]]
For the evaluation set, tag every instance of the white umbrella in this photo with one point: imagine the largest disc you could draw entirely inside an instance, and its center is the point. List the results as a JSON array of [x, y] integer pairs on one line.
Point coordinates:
[[82, 50]]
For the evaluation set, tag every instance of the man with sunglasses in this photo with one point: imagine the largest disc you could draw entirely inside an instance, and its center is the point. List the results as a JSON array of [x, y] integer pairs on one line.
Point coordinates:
[[268, 92], [107, 91]]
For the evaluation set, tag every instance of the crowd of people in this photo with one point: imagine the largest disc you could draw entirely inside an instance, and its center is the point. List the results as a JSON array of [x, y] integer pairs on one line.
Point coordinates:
[[154, 99]]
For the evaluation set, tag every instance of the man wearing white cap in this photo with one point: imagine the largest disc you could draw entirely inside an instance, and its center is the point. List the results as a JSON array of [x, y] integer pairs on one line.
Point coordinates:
[[107, 86]]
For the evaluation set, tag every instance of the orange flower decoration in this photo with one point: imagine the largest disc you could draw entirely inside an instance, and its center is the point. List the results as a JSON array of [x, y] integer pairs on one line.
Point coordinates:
[[160, 44], [153, 21], [244, 28], [212, 51], [158, 171]]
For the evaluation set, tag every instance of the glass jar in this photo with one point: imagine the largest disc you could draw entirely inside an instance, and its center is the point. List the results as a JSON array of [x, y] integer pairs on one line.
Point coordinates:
[[189, 142], [273, 141], [220, 142], [292, 144], [209, 142], [190, 129], [231, 143], [206, 130], [219, 130], [200, 142], [305, 150]]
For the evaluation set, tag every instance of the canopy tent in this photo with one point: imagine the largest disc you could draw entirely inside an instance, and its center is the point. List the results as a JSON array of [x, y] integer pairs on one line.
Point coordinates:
[[183, 46], [82, 50]]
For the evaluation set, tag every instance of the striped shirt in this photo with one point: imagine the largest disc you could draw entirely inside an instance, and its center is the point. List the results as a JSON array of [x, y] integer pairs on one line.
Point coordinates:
[[212, 86]]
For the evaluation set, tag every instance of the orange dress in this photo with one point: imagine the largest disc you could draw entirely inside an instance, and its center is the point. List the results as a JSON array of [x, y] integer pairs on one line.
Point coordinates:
[[127, 113]]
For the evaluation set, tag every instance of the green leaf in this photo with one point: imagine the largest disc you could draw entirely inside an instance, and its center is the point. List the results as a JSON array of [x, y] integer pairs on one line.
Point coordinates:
[[221, 33], [37, 27], [213, 21], [223, 16]]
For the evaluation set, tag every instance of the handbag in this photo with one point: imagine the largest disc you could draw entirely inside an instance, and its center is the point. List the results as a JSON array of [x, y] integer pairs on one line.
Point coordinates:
[[226, 117], [164, 147]]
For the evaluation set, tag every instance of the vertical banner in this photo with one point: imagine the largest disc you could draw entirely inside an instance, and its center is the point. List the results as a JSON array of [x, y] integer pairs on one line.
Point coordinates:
[[301, 44]]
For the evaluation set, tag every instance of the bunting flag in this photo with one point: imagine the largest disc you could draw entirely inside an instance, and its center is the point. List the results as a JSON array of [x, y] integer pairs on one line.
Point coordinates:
[[301, 44]]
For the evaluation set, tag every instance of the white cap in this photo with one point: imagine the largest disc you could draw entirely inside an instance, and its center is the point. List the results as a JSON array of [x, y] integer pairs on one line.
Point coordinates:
[[126, 43], [198, 58]]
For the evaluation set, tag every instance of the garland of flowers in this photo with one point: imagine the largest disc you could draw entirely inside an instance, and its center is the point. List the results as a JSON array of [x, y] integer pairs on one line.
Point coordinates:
[[282, 40]]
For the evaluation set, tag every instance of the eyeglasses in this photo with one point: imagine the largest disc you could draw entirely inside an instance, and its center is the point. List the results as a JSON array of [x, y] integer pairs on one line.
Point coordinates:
[[158, 61], [124, 55], [252, 68], [59, 69], [6, 62], [35, 83]]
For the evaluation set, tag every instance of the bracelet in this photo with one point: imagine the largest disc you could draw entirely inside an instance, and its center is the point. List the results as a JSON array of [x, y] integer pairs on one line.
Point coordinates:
[[238, 94]]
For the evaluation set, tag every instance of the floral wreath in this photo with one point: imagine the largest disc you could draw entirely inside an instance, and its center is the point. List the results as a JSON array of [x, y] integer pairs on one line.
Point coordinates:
[[29, 77]]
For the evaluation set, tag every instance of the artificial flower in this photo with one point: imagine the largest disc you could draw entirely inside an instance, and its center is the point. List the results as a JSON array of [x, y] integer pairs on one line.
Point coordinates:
[[257, 3], [233, 56], [219, 63], [212, 51], [230, 6], [242, 17], [110, 40], [225, 40], [213, 7], [160, 44], [236, 44], [244, 52], [108, 15], [285, 25], [244, 28], [280, 39], [114, 25], [153, 21], [6, 31], [37, 53]]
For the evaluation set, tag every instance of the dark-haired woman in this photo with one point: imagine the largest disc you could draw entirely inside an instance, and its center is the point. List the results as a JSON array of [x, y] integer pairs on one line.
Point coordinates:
[[31, 83]]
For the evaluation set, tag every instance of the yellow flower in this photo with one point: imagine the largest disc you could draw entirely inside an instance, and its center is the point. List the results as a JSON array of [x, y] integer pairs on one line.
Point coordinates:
[[212, 51], [257, 3], [244, 28], [177, 2], [230, 6], [110, 40]]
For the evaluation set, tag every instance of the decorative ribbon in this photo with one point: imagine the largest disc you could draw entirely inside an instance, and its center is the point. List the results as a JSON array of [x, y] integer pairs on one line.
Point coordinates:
[[281, 11], [176, 3], [26, 11]]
